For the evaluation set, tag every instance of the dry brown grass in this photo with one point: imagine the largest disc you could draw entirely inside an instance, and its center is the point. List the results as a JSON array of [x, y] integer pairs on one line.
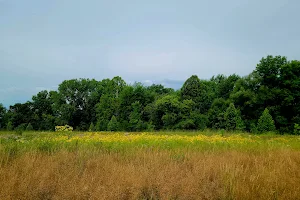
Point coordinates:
[[153, 175]]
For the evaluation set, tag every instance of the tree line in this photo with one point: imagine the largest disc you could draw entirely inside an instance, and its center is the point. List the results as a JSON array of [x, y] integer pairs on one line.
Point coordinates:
[[268, 99]]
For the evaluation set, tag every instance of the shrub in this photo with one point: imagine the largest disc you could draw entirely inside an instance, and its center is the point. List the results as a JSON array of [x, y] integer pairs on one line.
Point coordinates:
[[9, 126], [297, 129], [186, 124], [253, 128], [233, 120], [64, 128], [29, 127], [240, 125], [113, 124], [19, 129], [150, 126], [92, 127], [266, 122]]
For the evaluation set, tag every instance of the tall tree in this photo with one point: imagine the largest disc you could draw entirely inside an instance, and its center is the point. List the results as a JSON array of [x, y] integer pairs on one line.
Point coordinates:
[[42, 108], [135, 118], [224, 85], [105, 109], [166, 112], [76, 97], [129, 95], [290, 94], [216, 114], [20, 114], [196, 90], [269, 70]]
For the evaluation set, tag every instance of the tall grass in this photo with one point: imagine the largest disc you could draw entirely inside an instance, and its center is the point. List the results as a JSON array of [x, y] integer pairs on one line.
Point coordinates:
[[164, 165]]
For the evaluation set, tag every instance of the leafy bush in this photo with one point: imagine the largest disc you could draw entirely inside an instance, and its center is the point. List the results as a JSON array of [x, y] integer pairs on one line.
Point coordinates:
[[233, 120], [297, 129], [21, 128], [64, 128], [253, 128], [113, 124], [266, 122], [9, 126], [186, 124], [92, 127], [29, 127]]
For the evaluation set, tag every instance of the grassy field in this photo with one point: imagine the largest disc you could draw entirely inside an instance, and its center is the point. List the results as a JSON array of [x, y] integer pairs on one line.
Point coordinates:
[[160, 165]]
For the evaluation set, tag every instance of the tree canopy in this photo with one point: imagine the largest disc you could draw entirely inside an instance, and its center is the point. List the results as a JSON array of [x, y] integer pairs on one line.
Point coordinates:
[[268, 99]]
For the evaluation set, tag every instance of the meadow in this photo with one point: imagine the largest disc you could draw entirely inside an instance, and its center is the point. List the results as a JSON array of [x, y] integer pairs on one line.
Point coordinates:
[[156, 165]]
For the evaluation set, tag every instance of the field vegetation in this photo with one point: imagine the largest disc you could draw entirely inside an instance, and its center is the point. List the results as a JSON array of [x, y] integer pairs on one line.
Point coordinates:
[[267, 99], [227, 137], [152, 165]]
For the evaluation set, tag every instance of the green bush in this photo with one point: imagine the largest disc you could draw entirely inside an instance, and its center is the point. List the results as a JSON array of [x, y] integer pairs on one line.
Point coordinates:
[[113, 124], [92, 127], [21, 128], [297, 129], [266, 122], [64, 128], [233, 120], [9, 126], [253, 128], [29, 127]]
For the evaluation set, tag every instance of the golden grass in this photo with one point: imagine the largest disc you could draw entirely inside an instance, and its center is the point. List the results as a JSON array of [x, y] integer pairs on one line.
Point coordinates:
[[152, 174]]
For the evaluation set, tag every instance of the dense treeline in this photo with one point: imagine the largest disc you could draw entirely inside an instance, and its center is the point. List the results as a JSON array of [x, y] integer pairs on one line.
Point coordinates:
[[268, 99]]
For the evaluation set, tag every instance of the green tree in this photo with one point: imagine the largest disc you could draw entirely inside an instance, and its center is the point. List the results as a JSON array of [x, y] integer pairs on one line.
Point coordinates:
[[21, 127], [224, 85], [76, 99], [159, 90], [245, 98], [92, 127], [166, 112], [240, 125], [269, 70], [135, 117], [186, 124], [2, 115], [113, 124], [198, 91], [230, 117], [20, 114], [216, 114], [297, 129], [233, 119], [29, 127], [9, 126], [191, 88], [266, 122], [129, 95], [288, 110], [272, 92], [105, 109]]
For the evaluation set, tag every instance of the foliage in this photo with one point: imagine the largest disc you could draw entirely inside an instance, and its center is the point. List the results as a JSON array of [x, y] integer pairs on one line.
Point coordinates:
[[29, 127], [266, 122], [113, 124], [190, 158], [222, 102], [92, 127], [9, 126], [2, 115], [64, 128], [297, 129], [233, 120]]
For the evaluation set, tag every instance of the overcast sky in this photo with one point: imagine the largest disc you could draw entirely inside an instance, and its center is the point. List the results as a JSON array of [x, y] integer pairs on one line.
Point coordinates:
[[43, 43]]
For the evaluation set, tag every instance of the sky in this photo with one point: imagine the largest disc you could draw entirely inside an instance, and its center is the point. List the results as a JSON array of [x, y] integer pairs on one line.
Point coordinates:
[[43, 43]]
